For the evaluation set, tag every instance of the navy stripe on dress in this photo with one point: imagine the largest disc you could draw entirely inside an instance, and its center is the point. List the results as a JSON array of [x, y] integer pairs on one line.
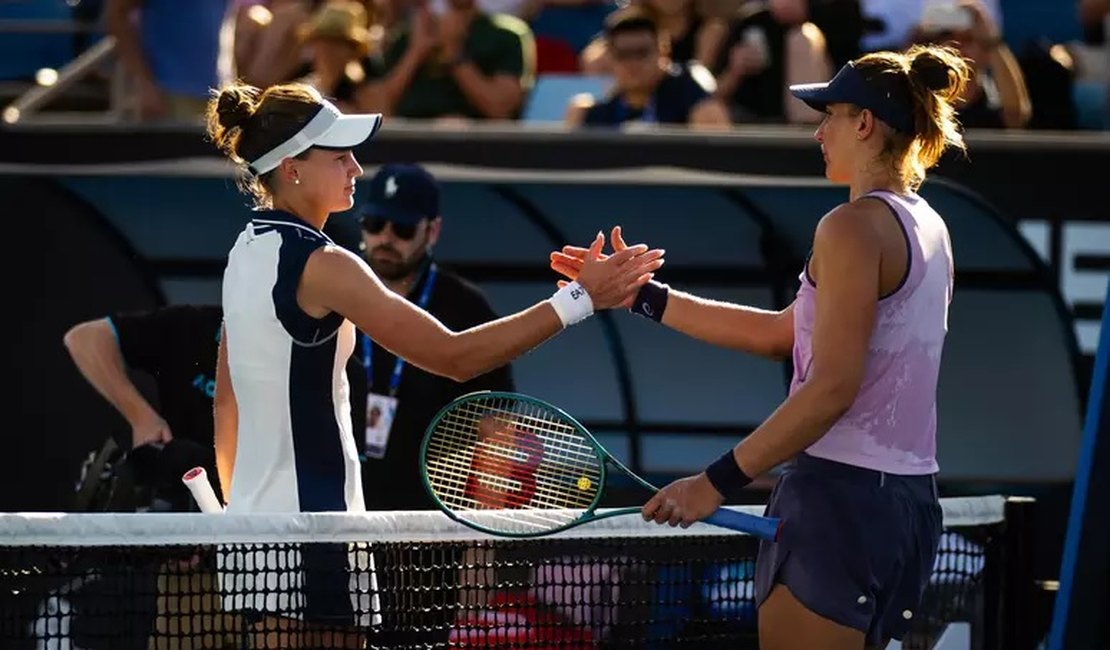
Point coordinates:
[[317, 450]]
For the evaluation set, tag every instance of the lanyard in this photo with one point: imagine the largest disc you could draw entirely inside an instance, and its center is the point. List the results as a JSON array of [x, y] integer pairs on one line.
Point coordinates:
[[368, 345]]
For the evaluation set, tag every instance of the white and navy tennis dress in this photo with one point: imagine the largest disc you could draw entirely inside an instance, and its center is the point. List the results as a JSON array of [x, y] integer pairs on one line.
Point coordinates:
[[296, 452]]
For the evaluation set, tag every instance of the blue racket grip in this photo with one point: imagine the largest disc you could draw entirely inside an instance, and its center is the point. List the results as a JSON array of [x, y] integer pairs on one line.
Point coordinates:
[[762, 527]]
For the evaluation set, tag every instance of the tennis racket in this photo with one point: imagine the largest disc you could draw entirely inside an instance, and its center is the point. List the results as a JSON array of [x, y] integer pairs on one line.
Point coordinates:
[[515, 466]]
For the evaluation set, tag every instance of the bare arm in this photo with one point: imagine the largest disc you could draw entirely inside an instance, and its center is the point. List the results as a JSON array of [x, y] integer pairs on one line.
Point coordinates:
[[710, 114], [806, 59], [336, 280], [756, 331], [94, 349], [577, 108], [277, 51], [1012, 92], [117, 16], [1004, 68], [496, 97], [225, 410], [421, 42], [737, 327], [392, 87], [595, 59], [846, 261], [709, 41]]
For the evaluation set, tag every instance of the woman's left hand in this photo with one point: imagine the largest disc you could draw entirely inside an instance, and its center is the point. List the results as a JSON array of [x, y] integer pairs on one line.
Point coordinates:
[[685, 501]]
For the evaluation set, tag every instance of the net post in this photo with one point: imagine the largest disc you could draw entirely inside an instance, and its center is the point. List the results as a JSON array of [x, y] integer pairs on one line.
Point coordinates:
[[1017, 596]]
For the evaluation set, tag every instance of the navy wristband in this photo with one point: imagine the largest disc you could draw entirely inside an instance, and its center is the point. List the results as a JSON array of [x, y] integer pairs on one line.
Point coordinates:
[[651, 301], [726, 476]]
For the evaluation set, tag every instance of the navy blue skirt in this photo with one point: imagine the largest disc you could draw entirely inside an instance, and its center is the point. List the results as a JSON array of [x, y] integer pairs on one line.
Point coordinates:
[[857, 546]]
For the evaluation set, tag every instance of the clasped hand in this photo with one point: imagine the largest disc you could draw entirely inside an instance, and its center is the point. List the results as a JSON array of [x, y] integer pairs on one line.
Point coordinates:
[[612, 280]]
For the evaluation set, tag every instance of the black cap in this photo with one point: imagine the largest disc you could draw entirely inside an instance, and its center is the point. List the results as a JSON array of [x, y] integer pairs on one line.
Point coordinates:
[[885, 94], [402, 193]]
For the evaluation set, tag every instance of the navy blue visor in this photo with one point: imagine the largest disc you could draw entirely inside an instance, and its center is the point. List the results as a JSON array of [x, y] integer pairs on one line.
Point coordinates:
[[887, 95]]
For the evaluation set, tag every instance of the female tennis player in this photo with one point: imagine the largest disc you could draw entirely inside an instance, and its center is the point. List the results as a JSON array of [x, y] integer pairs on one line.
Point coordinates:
[[859, 504], [291, 302]]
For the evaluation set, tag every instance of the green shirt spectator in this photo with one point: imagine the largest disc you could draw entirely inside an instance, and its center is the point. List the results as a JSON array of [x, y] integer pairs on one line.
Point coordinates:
[[461, 64]]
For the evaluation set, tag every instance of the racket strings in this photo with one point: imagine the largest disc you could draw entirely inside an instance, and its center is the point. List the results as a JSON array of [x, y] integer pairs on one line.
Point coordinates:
[[504, 464], [503, 454]]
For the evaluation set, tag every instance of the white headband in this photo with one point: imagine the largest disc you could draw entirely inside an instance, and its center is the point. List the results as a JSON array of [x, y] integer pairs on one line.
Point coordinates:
[[328, 128]]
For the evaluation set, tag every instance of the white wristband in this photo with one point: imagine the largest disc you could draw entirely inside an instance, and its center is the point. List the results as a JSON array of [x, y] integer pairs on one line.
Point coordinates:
[[572, 304]]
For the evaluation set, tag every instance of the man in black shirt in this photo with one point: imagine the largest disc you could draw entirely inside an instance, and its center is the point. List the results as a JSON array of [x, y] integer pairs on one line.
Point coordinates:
[[401, 224], [649, 87], [177, 347]]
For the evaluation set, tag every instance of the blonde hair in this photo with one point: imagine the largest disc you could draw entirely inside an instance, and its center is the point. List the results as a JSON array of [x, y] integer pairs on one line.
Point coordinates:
[[937, 76], [246, 122]]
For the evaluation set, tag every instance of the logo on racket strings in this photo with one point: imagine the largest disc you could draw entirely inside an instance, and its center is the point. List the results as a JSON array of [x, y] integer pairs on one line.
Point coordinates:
[[503, 470]]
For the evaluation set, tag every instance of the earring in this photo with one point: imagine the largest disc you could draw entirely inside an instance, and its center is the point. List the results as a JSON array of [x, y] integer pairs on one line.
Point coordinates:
[[296, 181]]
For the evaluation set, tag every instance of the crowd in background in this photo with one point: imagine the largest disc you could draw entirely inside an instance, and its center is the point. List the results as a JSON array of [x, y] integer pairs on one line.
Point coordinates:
[[704, 63]]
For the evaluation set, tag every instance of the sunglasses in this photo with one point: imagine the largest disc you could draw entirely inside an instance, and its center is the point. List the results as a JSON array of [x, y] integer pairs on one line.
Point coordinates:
[[633, 53], [375, 226]]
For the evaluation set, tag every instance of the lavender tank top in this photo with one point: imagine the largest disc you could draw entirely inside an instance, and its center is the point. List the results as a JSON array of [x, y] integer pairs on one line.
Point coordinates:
[[891, 427]]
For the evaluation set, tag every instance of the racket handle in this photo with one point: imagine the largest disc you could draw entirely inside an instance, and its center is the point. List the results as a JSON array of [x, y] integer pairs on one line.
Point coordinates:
[[196, 480], [762, 527]]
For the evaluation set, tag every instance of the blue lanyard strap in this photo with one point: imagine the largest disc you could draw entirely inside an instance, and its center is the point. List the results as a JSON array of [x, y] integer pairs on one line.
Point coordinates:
[[368, 345]]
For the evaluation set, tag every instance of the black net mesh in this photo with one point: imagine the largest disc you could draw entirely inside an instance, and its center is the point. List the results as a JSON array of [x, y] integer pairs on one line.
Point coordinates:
[[691, 590]]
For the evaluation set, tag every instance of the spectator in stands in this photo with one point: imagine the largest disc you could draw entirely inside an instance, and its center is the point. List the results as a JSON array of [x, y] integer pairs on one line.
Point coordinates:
[[770, 47], [1092, 54], [267, 40], [401, 225], [170, 50], [693, 35], [177, 347], [461, 64], [649, 87], [841, 21], [891, 24], [339, 41], [563, 29], [997, 97]]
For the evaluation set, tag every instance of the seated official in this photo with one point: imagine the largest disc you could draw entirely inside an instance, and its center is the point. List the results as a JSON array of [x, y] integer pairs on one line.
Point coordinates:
[[649, 88]]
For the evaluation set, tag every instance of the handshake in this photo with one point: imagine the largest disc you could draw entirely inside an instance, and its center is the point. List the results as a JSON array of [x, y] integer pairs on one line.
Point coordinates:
[[623, 278]]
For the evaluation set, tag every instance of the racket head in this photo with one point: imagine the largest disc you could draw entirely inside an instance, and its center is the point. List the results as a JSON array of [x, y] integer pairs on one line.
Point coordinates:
[[511, 465]]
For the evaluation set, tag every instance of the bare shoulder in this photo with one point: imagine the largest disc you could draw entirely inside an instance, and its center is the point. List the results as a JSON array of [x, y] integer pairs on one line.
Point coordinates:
[[850, 225], [331, 265], [333, 258]]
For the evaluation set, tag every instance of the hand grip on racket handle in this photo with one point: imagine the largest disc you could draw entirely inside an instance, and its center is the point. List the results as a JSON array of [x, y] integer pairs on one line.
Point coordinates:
[[766, 528], [196, 480]]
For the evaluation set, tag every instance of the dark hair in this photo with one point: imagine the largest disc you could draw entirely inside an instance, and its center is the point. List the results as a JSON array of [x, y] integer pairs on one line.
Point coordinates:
[[630, 19], [246, 122], [936, 76]]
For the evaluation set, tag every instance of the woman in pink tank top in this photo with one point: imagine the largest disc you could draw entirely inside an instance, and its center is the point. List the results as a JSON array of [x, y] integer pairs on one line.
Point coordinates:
[[858, 501]]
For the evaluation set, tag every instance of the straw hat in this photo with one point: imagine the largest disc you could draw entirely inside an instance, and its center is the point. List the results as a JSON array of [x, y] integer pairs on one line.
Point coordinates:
[[340, 20]]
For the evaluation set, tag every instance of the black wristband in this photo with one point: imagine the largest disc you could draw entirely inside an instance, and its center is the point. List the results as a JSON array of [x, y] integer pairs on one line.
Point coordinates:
[[726, 476], [651, 301]]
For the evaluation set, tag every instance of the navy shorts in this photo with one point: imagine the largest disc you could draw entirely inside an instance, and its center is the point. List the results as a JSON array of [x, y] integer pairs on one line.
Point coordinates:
[[857, 546]]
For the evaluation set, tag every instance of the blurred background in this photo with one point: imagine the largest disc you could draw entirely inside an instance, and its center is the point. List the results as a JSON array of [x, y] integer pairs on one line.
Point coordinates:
[[114, 201]]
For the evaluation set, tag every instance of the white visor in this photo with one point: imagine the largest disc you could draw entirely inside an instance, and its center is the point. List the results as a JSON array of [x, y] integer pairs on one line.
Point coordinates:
[[329, 128]]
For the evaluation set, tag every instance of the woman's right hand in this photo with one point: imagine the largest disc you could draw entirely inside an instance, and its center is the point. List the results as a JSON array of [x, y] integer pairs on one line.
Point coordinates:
[[611, 280]]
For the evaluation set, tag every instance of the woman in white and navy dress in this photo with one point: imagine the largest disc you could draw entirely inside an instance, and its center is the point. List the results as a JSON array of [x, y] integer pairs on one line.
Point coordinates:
[[291, 302]]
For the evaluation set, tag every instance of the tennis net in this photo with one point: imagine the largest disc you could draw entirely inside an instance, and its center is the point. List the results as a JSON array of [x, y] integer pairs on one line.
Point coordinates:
[[419, 580]]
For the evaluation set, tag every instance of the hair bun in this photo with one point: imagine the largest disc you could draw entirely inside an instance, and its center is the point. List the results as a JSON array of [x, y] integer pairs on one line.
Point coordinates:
[[932, 71], [236, 105]]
